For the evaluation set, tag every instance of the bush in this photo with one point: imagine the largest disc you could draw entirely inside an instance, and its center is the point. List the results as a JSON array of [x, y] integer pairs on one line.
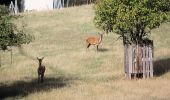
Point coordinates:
[[10, 35]]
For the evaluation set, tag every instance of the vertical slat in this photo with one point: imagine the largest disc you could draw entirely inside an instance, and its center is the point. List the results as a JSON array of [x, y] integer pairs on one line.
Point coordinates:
[[130, 61], [127, 68], [151, 61], [149, 68], [125, 60], [144, 70], [147, 62], [143, 60], [143, 52], [144, 65], [133, 59]]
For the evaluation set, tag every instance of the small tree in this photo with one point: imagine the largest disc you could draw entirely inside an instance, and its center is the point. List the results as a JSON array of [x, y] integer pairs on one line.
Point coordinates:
[[131, 19], [10, 35]]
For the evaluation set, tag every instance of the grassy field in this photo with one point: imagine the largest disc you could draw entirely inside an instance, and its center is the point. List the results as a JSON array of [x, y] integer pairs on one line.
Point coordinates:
[[72, 71]]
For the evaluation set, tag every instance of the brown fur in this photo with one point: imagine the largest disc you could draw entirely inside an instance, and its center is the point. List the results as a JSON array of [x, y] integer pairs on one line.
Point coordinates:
[[94, 41]]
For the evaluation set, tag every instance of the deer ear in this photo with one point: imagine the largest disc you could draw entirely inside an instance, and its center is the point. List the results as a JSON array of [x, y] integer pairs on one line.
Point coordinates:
[[37, 58], [42, 58]]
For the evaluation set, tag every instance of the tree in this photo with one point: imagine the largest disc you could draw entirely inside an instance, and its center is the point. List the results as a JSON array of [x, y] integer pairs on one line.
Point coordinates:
[[10, 34], [131, 19]]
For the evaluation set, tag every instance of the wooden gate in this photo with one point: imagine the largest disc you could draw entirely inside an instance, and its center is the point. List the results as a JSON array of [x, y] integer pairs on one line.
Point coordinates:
[[138, 60]]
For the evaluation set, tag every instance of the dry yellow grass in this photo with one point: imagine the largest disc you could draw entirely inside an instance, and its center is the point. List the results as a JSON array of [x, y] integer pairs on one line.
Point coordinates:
[[74, 73]]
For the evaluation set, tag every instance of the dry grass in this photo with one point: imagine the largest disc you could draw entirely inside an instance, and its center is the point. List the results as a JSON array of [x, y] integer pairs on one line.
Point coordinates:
[[74, 73]]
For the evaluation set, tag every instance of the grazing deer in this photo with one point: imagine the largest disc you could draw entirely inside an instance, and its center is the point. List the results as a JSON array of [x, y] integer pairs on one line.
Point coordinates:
[[40, 70], [94, 41]]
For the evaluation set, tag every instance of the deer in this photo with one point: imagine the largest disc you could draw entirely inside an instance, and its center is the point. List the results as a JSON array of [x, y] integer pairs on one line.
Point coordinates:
[[94, 41], [40, 70]]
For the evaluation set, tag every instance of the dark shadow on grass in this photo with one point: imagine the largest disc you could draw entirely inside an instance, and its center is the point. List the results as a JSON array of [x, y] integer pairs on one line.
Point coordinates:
[[103, 50], [23, 88], [161, 66]]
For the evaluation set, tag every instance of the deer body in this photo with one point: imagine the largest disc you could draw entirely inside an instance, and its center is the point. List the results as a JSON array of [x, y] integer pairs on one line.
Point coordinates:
[[94, 41], [40, 70]]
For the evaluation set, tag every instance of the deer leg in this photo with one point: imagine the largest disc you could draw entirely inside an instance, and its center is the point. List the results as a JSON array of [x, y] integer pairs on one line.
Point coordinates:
[[42, 77], [38, 78], [97, 47], [88, 45]]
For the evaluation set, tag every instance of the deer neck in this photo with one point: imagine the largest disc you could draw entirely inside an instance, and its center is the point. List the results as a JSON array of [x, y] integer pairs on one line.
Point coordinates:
[[101, 38], [40, 64]]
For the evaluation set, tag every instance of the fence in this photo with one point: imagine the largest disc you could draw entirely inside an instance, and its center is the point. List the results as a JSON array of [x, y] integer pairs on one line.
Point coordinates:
[[138, 60], [13, 7]]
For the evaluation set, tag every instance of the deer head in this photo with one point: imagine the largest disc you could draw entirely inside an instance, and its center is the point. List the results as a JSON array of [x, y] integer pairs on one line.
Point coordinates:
[[40, 60]]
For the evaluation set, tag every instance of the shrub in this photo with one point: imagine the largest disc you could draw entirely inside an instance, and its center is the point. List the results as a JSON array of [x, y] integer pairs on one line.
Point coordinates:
[[10, 35]]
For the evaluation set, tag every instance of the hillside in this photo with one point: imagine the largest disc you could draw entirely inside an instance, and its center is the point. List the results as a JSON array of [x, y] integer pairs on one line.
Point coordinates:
[[72, 71]]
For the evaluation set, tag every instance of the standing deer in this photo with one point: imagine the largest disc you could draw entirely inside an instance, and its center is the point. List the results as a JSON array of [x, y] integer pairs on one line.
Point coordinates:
[[94, 41], [40, 70]]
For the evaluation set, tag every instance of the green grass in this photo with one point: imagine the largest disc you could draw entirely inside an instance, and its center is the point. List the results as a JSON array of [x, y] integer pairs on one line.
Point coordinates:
[[72, 71]]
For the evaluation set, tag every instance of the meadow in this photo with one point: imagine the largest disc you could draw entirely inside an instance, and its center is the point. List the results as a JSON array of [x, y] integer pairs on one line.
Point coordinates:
[[74, 72]]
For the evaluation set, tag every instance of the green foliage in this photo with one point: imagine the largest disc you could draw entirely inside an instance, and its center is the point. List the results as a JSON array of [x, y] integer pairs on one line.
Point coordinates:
[[10, 35], [131, 19]]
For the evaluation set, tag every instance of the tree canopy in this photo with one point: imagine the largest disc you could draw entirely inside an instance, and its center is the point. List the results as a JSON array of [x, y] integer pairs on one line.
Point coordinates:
[[10, 35], [131, 19]]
